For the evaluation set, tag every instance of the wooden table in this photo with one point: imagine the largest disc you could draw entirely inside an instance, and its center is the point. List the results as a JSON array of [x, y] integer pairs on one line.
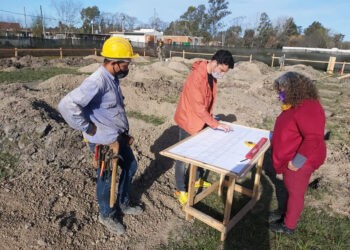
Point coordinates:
[[230, 182]]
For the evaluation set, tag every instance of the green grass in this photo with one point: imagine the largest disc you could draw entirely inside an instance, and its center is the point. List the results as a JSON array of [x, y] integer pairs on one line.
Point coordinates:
[[316, 229], [7, 165], [152, 119], [31, 75]]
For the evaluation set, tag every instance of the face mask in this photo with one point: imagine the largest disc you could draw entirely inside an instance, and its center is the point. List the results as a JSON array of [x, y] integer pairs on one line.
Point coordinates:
[[122, 73], [217, 75], [282, 96]]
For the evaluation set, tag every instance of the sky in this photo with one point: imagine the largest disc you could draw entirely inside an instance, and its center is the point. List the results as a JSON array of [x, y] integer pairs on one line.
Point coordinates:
[[333, 15]]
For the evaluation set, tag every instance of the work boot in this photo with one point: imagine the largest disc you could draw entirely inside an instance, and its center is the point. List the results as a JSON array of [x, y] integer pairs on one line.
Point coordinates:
[[281, 228], [183, 197], [202, 183], [132, 210], [112, 224], [275, 216]]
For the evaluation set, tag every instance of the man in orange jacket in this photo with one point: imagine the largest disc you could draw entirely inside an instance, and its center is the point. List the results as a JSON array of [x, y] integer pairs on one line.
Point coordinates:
[[195, 107]]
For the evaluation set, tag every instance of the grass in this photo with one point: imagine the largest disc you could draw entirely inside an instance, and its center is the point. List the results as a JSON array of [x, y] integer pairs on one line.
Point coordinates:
[[316, 229], [7, 165], [31, 75], [152, 119]]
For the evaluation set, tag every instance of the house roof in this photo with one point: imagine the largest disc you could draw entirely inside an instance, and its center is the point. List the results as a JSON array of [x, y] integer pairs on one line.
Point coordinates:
[[10, 26]]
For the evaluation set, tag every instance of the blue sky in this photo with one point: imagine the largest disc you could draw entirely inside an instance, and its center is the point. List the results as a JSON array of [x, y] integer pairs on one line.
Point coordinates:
[[334, 15]]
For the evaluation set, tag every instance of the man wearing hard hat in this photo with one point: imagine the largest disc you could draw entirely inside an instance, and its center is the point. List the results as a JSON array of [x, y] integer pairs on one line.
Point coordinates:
[[96, 108]]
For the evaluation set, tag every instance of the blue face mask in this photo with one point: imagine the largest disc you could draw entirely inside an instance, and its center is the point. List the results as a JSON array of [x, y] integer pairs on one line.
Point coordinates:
[[282, 96]]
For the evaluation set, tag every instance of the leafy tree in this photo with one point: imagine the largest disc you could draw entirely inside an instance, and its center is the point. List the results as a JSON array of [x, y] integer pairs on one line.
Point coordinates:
[[285, 29], [265, 30], [248, 38], [232, 35], [89, 16], [316, 35], [338, 40], [218, 9]]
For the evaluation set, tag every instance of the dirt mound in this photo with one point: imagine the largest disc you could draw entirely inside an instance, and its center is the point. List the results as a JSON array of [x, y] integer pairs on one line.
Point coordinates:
[[90, 68]]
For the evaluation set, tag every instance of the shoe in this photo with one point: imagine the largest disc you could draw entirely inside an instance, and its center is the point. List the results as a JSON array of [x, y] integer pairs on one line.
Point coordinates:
[[112, 225], [183, 197], [275, 216], [202, 183], [132, 210], [281, 228]]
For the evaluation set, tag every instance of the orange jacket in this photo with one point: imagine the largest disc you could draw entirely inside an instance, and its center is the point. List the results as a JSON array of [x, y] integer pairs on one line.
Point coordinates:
[[196, 102]]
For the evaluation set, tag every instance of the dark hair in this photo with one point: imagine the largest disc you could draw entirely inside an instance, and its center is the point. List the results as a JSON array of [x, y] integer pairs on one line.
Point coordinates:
[[224, 57], [297, 87]]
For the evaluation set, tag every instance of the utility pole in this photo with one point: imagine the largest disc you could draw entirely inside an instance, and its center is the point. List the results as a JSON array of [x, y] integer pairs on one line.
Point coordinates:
[[42, 21], [25, 20]]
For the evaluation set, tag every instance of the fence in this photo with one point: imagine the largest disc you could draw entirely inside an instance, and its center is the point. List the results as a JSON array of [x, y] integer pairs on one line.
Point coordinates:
[[250, 58], [60, 51], [330, 68]]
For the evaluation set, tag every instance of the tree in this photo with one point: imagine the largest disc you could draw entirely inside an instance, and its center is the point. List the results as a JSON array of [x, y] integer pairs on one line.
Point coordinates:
[[265, 30], [248, 38], [285, 29], [316, 35], [67, 13], [232, 35], [37, 27], [89, 16], [338, 40], [218, 9]]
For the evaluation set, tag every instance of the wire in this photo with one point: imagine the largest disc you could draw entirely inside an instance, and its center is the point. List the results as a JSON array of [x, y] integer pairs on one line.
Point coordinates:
[[22, 14]]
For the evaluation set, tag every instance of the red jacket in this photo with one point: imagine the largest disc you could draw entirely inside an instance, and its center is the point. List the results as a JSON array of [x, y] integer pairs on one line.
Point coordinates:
[[298, 136], [196, 102]]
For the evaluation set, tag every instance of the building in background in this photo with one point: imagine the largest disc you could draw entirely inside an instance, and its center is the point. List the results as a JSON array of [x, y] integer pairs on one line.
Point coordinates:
[[141, 38]]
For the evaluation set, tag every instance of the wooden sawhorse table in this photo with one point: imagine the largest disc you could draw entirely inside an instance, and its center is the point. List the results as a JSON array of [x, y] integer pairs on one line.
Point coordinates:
[[193, 197]]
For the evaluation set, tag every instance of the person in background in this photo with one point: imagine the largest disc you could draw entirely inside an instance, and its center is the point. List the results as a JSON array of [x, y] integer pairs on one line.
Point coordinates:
[[195, 109], [298, 146], [96, 108]]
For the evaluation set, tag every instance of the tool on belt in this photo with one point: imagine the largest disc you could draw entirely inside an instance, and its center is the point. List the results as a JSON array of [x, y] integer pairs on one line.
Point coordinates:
[[106, 158]]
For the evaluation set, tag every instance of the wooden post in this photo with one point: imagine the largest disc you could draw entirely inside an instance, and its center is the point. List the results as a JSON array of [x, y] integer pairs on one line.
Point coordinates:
[[61, 53], [95, 51], [273, 57], [170, 54], [250, 58], [331, 63], [183, 54], [144, 52], [16, 52], [342, 69]]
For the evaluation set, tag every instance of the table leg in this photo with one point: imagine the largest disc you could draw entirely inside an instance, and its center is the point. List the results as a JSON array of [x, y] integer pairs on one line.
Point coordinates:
[[228, 205], [222, 179], [191, 189]]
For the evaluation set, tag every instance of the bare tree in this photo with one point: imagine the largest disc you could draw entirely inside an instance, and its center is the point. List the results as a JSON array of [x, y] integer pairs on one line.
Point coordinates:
[[67, 12]]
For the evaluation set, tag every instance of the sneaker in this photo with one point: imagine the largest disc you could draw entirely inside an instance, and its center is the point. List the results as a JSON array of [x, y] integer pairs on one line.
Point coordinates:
[[112, 225], [275, 216], [133, 210], [281, 228], [183, 197], [202, 183]]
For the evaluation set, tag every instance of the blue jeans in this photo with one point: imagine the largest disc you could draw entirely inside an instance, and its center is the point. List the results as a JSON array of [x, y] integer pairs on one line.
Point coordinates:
[[128, 164], [181, 177]]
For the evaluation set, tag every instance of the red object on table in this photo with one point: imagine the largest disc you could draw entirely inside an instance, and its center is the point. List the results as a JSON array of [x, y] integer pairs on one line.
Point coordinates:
[[256, 148]]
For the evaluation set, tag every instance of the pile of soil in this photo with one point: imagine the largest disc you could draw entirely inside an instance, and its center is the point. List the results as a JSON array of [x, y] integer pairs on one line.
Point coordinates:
[[50, 202]]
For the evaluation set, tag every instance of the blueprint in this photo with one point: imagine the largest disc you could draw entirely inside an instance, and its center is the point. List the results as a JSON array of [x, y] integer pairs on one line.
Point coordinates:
[[220, 149]]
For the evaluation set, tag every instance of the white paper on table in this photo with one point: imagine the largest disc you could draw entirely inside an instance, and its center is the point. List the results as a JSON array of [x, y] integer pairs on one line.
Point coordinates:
[[220, 149]]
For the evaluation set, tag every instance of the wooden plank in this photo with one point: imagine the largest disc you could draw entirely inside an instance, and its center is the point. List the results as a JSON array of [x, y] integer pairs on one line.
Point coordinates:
[[206, 192], [229, 199], [257, 177], [205, 218], [191, 188], [221, 183], [343, 76], [240, 214]]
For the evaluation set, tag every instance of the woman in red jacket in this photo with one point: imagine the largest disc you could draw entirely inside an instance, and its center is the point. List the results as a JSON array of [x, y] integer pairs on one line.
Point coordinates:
[[298, 146]]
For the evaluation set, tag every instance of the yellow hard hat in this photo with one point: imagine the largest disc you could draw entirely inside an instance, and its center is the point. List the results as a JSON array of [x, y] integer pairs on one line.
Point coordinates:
[[117, 48]]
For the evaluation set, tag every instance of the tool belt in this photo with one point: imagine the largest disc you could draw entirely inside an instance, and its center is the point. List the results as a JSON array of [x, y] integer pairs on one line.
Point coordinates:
[[104, 153]]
